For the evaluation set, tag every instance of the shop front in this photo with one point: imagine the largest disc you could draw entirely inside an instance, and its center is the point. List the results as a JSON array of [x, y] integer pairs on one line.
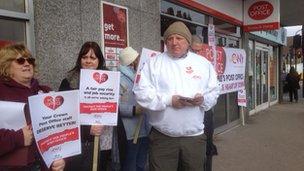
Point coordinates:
[[59, 33], [263, 70], [227, 34]]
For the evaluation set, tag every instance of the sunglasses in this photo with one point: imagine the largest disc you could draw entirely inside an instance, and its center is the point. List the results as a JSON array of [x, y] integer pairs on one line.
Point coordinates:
[[22, 60]]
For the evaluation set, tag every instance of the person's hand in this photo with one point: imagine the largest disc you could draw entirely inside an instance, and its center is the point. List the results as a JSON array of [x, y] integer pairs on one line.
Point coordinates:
[[96, 130], [198, 99], [186, 101], [176, 103], [28, 135], [58, 165], [180, 102]]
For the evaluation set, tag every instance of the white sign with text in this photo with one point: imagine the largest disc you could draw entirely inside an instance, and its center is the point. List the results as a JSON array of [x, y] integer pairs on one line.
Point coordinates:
[[98, 97], [55, 124]]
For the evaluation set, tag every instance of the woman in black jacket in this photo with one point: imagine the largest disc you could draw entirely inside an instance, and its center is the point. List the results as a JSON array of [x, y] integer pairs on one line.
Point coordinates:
[[293, 79], [90, 57]]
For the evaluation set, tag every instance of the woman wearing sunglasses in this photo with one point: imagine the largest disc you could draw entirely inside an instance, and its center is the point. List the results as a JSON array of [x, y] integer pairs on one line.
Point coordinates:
[[17, 83]]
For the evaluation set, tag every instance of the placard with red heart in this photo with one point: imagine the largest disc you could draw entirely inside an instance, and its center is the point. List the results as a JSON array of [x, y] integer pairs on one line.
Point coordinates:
[[53, 103], [100, 78]]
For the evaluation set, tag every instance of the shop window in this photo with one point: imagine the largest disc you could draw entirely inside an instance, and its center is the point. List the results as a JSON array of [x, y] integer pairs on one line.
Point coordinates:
[[194, 28], [16, 22], [12, 30], [226, 109], [13, 5], [226, 28], [220, 117], [233, 108], [174, 10], [251, 87]]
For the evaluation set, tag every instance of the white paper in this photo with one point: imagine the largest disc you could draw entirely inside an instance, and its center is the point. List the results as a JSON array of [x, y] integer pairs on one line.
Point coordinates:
[[55, 122], [12, 115], [146, 55]]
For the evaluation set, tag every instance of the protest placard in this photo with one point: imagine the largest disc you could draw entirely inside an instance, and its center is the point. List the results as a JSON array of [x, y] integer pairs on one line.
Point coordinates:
[[55, 124], [99, 95], [12, 115], [145, 56], [230, 66]]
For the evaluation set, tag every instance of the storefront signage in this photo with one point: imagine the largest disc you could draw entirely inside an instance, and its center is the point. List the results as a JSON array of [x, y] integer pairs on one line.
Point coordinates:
[[114, 31], [278, 36], [261, 15], [260, 10]]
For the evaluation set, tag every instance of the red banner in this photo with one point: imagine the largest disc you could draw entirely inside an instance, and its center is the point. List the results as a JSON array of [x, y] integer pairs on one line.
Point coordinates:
[[58, 138], [88, 108]]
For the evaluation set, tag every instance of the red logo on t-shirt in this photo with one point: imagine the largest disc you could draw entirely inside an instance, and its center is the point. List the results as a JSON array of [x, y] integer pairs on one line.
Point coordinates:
[[189, 70]]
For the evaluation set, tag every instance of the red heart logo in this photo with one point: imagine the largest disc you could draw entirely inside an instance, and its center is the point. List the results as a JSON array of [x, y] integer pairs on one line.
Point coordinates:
[[100, 78], [52, 103]]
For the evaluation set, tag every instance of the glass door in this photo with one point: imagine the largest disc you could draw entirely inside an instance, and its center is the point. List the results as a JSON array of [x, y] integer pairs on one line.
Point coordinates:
[[265, 76], [262, 67], [258, 58]]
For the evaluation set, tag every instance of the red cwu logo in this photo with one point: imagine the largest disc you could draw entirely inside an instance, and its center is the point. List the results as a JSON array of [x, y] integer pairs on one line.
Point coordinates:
[[189, 70]]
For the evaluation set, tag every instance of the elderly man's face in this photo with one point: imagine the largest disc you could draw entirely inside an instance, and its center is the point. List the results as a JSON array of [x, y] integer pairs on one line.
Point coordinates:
[[177, 45]]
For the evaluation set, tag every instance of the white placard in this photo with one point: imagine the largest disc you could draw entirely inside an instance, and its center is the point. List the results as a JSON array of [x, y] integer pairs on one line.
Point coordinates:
[[230, 66], [98, 97], [146, 55], [242, 100], [12, 115], [55, 124]]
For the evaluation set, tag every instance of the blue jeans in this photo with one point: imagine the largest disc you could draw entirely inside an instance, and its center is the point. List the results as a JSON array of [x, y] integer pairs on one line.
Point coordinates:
[[136, 155]]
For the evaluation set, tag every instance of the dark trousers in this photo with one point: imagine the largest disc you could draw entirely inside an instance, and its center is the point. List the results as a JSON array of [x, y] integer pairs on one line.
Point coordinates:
[[166, 153], [136, 155], [210, 147], [293, 93]]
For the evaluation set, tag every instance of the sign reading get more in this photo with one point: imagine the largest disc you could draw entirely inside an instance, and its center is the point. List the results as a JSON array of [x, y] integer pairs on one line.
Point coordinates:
[[261, 15]]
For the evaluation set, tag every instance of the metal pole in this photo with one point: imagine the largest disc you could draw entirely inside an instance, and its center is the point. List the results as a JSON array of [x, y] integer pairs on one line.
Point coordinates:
[[302, 60]]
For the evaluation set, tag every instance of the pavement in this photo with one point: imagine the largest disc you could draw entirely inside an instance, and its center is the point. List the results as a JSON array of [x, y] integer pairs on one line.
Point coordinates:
[[272, 140]]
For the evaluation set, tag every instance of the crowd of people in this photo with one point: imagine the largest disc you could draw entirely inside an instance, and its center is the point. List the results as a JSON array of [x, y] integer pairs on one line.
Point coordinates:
[[160, 120]]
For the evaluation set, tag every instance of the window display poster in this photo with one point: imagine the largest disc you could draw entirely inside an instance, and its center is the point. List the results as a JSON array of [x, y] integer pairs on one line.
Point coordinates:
[[99, 95], [114, 30], [55, 124]]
